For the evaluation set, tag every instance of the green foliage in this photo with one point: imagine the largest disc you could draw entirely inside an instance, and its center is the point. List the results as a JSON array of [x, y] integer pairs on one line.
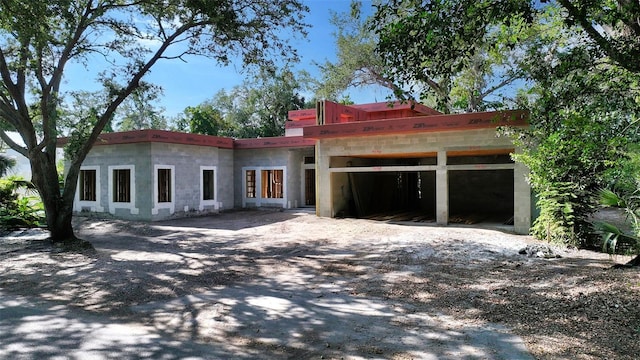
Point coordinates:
[[139, 112], [459, 51], [17, 208], [206, 119], [584, 115], [258, 108], [614, 239], [357, 63], [38, 39], [561, 208], [6, 163]]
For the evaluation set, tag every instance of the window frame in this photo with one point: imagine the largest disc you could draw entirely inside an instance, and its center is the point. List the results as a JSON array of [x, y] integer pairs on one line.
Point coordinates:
[[259, 200], [209, 202], [254, 186], [131, 205], [157, 204], [93, 205], [269, 184]]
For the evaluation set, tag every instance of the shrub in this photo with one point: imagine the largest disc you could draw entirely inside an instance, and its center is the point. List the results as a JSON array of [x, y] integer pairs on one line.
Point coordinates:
[[17, 208]]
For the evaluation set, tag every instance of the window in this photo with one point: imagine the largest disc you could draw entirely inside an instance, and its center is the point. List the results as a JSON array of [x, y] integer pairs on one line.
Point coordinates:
[[121, 185], [164, 185], [208, 185], [87, 185], [272, 184], [250, 180]]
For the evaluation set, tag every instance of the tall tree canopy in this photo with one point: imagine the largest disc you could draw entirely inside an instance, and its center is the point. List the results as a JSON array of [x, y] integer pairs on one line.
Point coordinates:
[[357, 63], [580, 58], [457, 51], [257, 108], [39, 39], [139, 110]]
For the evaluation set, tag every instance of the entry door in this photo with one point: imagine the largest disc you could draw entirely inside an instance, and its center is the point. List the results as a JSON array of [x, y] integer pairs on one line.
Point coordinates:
[[309, 187]]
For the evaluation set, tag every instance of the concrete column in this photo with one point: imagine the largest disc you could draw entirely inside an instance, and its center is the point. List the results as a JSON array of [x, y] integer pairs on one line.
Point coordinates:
[[442, 190], [323, 183], [521, 200]]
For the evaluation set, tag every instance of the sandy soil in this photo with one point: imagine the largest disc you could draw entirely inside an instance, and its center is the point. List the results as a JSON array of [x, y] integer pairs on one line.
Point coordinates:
[[573, 307]]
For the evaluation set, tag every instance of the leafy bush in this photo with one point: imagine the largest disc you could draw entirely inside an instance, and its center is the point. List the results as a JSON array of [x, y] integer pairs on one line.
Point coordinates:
[[562, 205], [18, 208], [614, 239]]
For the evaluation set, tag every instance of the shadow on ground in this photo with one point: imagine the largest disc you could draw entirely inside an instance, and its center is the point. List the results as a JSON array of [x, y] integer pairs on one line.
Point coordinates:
[[251, 285]]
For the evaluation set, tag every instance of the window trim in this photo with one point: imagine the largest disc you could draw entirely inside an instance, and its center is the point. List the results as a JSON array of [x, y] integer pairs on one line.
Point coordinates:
[[213, 202], [94, 206], [171, 205], [132, 185]]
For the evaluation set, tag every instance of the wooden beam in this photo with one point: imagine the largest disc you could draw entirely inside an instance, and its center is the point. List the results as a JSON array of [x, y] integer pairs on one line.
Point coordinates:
[[306, 114], [479, 152], [402, 168], [299, 124]]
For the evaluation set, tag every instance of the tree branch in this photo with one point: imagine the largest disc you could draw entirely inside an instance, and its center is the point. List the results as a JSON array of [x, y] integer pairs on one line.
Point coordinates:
[[13, 145]]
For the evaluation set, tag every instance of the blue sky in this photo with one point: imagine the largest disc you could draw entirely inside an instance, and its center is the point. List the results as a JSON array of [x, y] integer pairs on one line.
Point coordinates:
[[191, 83]]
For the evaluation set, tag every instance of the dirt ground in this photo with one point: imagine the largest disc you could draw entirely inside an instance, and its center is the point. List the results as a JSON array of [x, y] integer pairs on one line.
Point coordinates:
[[573, 307]]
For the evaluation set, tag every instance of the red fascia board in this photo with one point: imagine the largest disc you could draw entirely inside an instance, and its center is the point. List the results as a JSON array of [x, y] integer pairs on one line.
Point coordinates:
[[305, 114], [273, 142], [299, 124], [397, 105], [159, 136], [419, 124], [335, 113]]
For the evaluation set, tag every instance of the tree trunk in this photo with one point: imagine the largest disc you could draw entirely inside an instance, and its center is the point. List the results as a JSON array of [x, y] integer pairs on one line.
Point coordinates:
[[58, 206]]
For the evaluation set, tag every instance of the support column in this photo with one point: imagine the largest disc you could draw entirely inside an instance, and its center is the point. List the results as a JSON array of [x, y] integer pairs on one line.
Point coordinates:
[[442, 190], [521, 200]]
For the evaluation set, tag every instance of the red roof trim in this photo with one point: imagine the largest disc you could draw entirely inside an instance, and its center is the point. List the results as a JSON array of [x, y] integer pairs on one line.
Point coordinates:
[[418, 124], [274, 142], [159, 136]]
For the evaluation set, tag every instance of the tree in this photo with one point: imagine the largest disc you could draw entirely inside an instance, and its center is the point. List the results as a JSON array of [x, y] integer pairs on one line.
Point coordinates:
[[35, 53], [275, 94], [206, 119], [138, 112], [584, 122], [462, 50], [612, 25], [6, 163], [257, 108], [357, 63]]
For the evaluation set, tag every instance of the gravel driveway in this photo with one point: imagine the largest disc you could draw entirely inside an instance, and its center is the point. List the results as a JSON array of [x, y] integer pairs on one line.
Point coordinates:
[[287, 284]]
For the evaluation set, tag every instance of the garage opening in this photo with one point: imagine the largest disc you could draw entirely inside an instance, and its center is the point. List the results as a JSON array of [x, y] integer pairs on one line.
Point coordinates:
[[480, 195], [386, 188]]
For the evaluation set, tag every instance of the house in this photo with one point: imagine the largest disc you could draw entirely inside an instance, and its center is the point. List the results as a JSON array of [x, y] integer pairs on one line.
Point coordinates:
[[371, 160]]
